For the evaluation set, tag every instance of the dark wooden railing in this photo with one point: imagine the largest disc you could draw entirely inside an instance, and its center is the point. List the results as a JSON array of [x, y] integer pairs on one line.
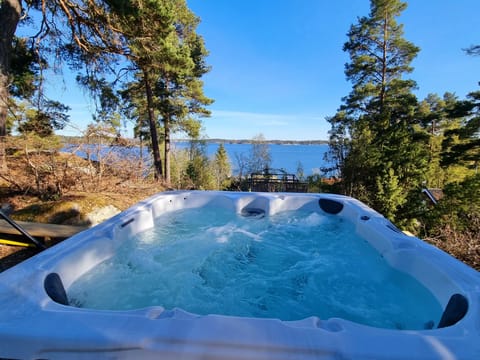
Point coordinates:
[[272, 180]]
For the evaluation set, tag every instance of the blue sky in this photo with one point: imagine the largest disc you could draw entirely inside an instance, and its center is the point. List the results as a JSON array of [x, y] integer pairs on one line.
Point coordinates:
[[278, 65]]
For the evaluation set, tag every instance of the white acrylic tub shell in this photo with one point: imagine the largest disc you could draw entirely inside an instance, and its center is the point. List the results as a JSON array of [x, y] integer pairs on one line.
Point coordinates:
[[33, 326]]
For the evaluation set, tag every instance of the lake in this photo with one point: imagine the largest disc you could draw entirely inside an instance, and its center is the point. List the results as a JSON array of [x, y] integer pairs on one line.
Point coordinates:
[[286, 157]]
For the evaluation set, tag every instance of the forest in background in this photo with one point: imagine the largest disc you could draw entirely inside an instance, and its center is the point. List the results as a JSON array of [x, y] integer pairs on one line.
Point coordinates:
[[388, 146], [144, 61]]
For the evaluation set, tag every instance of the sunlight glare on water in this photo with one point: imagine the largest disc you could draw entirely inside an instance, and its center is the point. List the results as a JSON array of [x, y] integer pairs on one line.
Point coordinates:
[[288, 266]]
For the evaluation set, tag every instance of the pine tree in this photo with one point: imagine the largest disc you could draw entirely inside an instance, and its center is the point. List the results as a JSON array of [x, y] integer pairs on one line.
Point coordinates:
[[436, 115], [462, 145], [168, 57], [380, 155], [80, 32], [10, 13], [198, 168], [221, 167]]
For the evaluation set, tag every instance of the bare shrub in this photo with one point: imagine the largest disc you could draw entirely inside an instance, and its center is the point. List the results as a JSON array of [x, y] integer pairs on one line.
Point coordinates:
[[37, 167], [465, 246]]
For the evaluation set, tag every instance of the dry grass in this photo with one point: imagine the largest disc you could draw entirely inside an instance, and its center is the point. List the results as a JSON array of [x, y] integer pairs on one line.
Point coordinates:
[[59, 189], [465, 246]]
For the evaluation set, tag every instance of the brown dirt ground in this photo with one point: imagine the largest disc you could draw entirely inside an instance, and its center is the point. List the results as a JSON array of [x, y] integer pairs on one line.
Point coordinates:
[[80, 198]]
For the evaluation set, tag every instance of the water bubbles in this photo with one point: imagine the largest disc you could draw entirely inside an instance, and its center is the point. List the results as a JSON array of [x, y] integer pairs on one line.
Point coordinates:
[[314, 219], [289, 266]]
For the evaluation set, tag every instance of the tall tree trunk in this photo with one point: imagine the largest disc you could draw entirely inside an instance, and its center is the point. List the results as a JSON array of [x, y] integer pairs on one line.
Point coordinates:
[[384, 63], [167, 148], [157, 160], [10, 11], [166, 125]]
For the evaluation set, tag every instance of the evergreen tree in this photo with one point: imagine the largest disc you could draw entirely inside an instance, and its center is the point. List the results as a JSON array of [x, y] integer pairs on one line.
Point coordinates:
[[181, 95], [29, 108], [80, 32], [437, 120], [168, 58], [380, 155], [462, 145], [221, 167], [51, 116], [10, 12], [198, 169], [454, 223]]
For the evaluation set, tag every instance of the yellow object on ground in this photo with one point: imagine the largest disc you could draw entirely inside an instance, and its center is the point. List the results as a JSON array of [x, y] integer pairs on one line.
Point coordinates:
[[15, 243]]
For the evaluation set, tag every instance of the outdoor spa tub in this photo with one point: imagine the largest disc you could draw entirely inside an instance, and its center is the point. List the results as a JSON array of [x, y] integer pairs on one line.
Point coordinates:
[[232, 275]]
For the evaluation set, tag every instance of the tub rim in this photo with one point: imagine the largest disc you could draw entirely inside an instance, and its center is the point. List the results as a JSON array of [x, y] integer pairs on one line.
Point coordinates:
[[35, 298]]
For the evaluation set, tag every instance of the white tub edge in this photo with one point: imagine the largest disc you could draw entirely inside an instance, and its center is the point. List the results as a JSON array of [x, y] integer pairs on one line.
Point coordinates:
[[227, 336]]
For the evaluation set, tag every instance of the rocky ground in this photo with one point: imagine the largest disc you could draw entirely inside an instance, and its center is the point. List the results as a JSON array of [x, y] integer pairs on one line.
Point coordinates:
[[76, 208]]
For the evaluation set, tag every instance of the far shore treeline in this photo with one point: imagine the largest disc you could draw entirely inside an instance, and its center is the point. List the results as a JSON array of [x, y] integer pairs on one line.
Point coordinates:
[[134, 141]]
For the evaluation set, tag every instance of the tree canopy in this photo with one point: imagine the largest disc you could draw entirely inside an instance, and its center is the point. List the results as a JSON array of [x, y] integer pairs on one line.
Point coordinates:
[[123, 50], [373, 138], [386, 145]]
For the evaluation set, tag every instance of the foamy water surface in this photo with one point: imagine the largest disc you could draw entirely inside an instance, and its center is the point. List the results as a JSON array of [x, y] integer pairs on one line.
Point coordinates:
[[287, 266]]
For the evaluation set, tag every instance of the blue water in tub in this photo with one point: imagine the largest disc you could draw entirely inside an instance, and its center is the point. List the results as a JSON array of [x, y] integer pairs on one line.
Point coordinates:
[[287, 266]]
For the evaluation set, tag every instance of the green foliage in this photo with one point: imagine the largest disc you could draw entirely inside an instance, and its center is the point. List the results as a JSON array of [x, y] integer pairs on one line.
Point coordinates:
[[201, 179], [43, 121], [24, 69], [221, 168], [339, 141], [168, 59], [78, 32], [37, 142], [459, 209], [198, 168], [374, 138], [441, 121], [379, 57], [180, 161], [318, 184], [462, 144], [107, 100], [30, 110], [192, 169], [390, 195], [135, 109], [27, 118]]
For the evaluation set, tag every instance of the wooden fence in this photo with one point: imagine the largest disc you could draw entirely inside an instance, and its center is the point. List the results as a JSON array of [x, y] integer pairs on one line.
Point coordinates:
[[271, 180]]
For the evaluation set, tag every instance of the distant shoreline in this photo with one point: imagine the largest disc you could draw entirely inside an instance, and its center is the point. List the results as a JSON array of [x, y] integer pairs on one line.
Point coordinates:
[[250, 141], [79, 140]]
